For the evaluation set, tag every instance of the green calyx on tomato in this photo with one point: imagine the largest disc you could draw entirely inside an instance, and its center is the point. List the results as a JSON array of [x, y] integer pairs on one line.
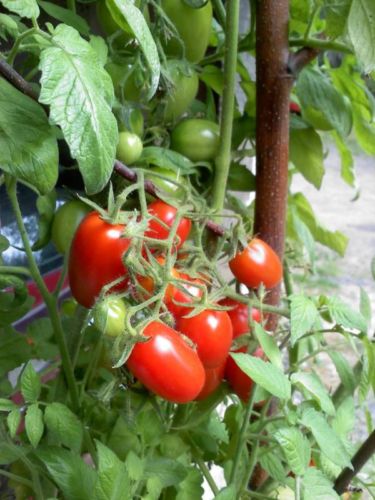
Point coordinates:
[[129, 148], [257, 263], [109, 316], [167, 365], [65, 223], [196, 138], [193, 27], [185, 87]]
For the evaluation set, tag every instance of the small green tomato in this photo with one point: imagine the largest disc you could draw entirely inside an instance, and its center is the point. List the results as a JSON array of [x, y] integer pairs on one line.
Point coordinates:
[[129, 148], [109, 316]]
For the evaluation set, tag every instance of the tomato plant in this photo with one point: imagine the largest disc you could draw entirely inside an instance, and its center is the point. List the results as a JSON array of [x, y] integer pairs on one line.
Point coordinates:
[[65, 222], [240, 383], [212, 333], [256, 264], [185, 87], [214, 377], [162, 220], [239, 316], [195, 138], [166, 180], [166, 365], [96, 258], [109, 316]]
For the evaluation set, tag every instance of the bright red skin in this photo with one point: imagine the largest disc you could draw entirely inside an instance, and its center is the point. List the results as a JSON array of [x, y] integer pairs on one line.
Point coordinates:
[[294, 108], [239, 316], [178, 295], [214, 377], [237, 379], [212, 333], [167, 214], [95, 258], [256, 264], [167, 365]]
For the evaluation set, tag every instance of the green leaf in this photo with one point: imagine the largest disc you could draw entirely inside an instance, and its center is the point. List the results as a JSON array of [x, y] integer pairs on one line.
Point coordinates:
[[240, 178], [46, 209], [361, 25], [30, 383], [80, 94], [8, 26], [317, 93], [302, 232], [303, 316], [336, 13], [14, 350], [272, 464], [191, 486], [344, 370], [306, 154], [64, 426], [345, 418], [331, 239], [135, 466], [328, 441], [13, 422], [100, 47], [34, 424], [126, 14], [28, 147], [168, 471], [344, 315], [9, 453], [296, 448], [313, 385], [347, 162], [113, 482], [7, 405], [65, 16], [213, 77], [265, 374], [24, 8], [166, 158], [269, 345], [73, 476], [365, 305], [317, 487], [227, 493]]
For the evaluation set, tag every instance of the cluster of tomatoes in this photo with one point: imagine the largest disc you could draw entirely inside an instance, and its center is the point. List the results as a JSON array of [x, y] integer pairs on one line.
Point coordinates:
[[186, 362]]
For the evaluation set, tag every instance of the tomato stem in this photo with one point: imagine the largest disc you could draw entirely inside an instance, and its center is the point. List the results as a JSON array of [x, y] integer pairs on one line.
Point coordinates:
[[223, 158], [50, 300]]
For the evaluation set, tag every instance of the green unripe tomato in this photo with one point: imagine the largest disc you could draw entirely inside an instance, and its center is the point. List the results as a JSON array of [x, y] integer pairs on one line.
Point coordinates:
[[197, 139], [65, 222], [316, 118], [166, 185], [193, 26], [183, 93], [172, 446], [109, 316], [129, 148], [69, 307], [132, 121], [124, 81]]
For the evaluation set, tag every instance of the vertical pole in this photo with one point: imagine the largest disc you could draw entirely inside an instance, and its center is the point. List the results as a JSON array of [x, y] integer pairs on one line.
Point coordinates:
[[273, 84]]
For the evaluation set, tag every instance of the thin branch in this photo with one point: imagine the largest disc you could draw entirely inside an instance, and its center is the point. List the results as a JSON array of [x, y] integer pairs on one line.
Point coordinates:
[[17, 80], [298, 60], [364, 453]]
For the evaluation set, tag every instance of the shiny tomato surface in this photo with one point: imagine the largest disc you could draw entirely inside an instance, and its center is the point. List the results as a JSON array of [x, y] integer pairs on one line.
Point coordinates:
[[212, 333], [256, 264], [166, 214], [96, 258], [239, 316], [167, 365], [214, 377]]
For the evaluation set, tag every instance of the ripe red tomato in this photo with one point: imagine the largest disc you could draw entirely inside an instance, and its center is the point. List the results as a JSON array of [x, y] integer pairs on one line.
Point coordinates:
[[256, 264], [239, 316], [167, 365], [212, 332], [96, 258], [237, 379], [294, 108], [214, 377], [167, 214], [173, 293]]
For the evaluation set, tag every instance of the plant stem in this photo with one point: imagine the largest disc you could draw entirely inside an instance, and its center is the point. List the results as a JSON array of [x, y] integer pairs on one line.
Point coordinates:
[[241, 440], [16, 478], [223, 158], [220, 12], [207, 474], [317, 43], [15, 270], [71, 4], [13, 52], [50, 300]]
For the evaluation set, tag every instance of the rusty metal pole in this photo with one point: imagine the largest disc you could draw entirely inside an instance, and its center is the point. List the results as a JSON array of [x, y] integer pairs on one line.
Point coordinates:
[[273, 84]]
